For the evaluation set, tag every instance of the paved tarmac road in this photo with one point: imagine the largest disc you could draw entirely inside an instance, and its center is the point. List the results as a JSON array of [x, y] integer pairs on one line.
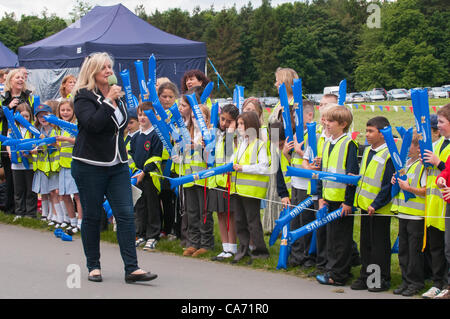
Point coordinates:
[[42, 260]]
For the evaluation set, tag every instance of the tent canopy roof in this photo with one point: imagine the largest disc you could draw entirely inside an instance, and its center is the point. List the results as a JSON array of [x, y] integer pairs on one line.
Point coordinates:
[[8, 59], [114, 29]]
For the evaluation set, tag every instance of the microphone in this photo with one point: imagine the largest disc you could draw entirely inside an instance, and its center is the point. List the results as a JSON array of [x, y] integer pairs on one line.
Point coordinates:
[[112, 80]]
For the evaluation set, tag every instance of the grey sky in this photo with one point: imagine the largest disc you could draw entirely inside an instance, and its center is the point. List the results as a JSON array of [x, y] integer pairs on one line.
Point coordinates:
[[62, 7]]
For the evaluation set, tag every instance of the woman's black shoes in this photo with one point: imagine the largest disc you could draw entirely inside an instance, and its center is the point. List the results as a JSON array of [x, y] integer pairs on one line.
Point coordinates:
[[139, 277], [95, 278]]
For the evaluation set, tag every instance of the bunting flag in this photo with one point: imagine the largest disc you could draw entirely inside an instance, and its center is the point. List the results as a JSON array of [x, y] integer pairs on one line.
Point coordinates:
[[396, 108], [387, 107], [434, 109], [269, 110]]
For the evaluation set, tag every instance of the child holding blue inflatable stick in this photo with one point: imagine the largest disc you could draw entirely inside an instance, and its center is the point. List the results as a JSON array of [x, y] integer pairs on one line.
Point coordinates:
[[200, 223], [339, 156], [373, 197], [25, 199], [411, 222], [67, 185], [218, 198], [167, 95], [295, 152], [249, 184], [46, 170], [146, 150]]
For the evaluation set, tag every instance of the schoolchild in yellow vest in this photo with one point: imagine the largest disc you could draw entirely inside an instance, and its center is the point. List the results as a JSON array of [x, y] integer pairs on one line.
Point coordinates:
[[24, 197], [168, 94], [46, 170], [249, 186], [200, 228], [435, 207], [314, 163], [67, 185], [339, 156], [373, 197], [295, 153], [218, 196], [411, 222]]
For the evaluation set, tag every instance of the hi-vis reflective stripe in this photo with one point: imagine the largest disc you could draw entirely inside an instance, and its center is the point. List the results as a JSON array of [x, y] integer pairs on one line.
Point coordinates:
[[339, 167], [249, 182], [434, 191]]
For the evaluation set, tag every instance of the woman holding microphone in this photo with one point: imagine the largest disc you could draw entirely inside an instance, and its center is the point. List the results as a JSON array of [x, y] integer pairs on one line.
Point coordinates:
[[100, 165]]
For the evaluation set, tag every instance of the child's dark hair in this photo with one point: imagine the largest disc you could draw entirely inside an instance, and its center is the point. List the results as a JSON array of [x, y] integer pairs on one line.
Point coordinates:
[[251, 120], [191, 73], [380, 122], [230, 109], [25, 107]]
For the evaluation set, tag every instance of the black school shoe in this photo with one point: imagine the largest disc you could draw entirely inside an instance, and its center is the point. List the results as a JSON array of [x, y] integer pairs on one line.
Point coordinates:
[[411, 291], [130, 278], [359, 284]]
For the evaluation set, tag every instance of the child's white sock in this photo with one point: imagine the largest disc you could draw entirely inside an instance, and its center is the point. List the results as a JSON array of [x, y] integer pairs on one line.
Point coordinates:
[[79, 223], [225, 246], [232, 248], [59, 213], [64, 209], [73, 222], [44, 208]]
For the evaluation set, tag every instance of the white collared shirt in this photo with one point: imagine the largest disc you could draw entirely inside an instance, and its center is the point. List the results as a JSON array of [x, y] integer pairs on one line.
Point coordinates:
[[260, 168]]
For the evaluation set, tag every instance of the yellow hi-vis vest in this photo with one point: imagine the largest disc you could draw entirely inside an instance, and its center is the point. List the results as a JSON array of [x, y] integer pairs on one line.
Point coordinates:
[[320, 146], [414, 206], [221, 158], [250, 185], [155, 175], [195, 164], [284, 162], [435, 206], [46, 162], [335, 162], [371, 177], [65, 153]]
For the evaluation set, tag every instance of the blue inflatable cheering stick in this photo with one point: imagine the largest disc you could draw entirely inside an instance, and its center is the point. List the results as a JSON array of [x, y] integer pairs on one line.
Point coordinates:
[[15, 133], [286, 112], [238, 97], [396, 159], [285, 249], [421, 110], [312, 174], [312, 142], [298, 107], [206, 134], [178, 119], [314, 225], [206, 92], [161, 130], [71, 128], [283, 220], [145, 94], [223, 169], [342, 92], [129, 97], [152, 69]]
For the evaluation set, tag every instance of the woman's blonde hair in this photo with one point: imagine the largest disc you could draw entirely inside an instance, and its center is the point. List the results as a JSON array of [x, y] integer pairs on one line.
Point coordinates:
[[92, 65], [287, 76], [9, 77]]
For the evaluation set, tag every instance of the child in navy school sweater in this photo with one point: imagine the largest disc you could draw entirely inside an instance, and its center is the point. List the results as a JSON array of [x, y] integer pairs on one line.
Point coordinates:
[[146, 149]]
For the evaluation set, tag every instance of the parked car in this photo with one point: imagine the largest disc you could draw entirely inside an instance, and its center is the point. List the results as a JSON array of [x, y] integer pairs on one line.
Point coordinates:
[[376, 96], [439, 92], [315, 98], [397, 94], [331, 90], [270, 101], [382, 90], [447, 88], [355, 97], [430, 92]]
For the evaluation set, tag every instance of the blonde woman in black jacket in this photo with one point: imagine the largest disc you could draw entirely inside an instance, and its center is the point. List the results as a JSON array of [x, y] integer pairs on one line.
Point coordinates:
[[100, 165]]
